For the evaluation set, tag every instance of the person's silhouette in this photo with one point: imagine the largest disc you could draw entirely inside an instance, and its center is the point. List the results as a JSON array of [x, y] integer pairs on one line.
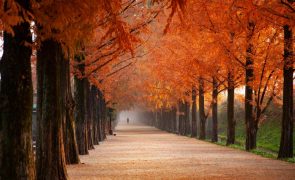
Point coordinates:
[[127, 120]]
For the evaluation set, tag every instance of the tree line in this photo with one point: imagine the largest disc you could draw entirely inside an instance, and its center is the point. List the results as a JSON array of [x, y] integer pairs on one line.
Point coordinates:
[[80, 40], [207, 49], [241, 50]]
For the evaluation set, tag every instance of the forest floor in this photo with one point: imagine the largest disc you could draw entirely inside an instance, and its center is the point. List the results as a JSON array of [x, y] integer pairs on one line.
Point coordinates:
[[143, 152]]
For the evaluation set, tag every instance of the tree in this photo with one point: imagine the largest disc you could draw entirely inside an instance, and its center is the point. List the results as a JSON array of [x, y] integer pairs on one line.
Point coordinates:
[[69, 134], [251, 128], [81, 87], [51, 162], [17, 160], [202, 110], [194, 113], [286, 145], [231, 123], [214, 111]]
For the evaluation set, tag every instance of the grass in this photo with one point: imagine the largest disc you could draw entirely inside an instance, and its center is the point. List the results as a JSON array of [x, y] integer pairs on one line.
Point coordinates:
[[268, 135], [259, 151]]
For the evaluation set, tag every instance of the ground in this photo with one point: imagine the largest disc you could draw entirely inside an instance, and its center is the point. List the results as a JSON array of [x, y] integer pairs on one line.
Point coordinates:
[[143, 152]]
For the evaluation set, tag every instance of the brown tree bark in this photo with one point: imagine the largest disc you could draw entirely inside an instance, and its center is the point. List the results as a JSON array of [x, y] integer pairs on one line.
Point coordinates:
[[194, 113], [95, 115], [181, 122], [286, 144], [251, 128], [50, 155], [231, 123], [104, 119], [70, 141], [202, 110], [186, 117], [100, 115], [89, 118], [172, 120], [214, 111], [80, 109], [175, 120], [16, 102]]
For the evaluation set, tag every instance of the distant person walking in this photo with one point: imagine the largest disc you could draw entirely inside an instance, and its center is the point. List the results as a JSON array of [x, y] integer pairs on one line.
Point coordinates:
[[127, 120]]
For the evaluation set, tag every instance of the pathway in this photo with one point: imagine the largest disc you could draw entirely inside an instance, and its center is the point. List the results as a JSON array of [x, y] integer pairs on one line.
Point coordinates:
[[142, 152]]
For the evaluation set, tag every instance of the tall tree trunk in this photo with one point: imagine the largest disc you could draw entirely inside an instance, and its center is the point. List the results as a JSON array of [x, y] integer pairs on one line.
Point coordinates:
[[170, 121], [50, 156], [70, 141], [165, 119], [104, 119], [202, 110], [100, 116], [162, 119], [174, 111], [251, 129], [286, 145], [187, 119], [214, 111], [170, 124], [95, 115], [181, 118], [194, 113], [89, 117], [39, 144], [16, 102], [231, 123], [156, 118], [175, 120], [80, 110]]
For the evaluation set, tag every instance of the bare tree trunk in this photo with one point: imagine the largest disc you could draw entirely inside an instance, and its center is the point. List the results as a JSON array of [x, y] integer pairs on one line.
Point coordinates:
[[16, 102], [231, 123], [89, 118], [286, 145], [95, 115], [70, 141], [186, 116], [214, 111], [181, 118], [104, 119], [194, 113], [100, 114], [202, 110], [251, 130], [50, 157], [174, 111], [80, 110]]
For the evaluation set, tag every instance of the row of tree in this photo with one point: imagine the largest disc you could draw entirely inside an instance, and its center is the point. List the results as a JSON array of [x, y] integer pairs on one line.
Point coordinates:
[[80, 39], [66, 126], [235, 49], [219, 47]]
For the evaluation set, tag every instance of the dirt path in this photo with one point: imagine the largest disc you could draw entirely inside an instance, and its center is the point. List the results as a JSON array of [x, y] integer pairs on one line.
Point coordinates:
[[141, 152]]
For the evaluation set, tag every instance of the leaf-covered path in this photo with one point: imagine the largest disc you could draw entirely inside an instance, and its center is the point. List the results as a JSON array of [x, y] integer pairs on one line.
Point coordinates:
[[142, 152]]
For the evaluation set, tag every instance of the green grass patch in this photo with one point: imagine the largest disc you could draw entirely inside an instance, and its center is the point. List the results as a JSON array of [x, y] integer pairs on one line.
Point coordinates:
[[269, 132], [268, 135]]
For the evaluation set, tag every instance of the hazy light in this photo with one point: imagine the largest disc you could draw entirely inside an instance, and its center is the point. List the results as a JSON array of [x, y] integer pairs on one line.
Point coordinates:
[[136, 116]]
